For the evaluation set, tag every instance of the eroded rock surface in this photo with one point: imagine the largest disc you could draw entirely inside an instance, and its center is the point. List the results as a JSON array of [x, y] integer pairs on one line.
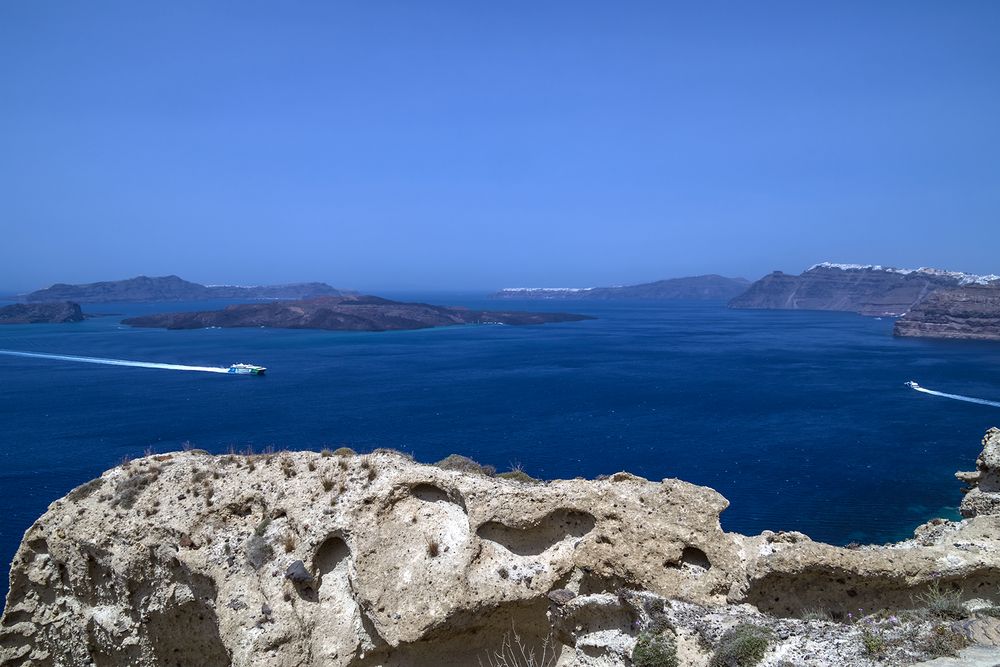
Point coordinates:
[[305, 559], [970, 313]]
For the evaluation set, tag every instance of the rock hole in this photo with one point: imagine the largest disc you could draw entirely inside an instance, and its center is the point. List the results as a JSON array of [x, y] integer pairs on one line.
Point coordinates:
[[434, 494], [696, 557], [536, 538]]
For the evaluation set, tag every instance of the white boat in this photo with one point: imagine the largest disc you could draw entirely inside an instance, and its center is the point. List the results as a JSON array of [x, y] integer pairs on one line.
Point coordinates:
[[912, 384], [246, 369]]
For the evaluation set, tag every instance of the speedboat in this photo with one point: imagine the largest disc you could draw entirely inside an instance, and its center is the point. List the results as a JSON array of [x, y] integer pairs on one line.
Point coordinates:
[[912, 384], [246, 369]]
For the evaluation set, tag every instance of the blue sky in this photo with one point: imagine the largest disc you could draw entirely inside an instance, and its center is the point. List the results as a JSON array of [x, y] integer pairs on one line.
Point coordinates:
[[468, 145]]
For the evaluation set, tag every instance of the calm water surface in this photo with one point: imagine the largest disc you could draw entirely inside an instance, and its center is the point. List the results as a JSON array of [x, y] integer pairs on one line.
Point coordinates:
[[800, 419]]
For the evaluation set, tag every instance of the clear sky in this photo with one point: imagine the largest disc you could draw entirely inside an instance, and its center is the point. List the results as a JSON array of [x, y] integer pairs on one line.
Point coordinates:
[[472, 144]]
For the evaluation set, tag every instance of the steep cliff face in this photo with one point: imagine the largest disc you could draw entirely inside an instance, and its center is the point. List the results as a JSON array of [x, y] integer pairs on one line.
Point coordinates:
[[971, 313], [305, 559], [868, 290], [710, 287], [46, 313]]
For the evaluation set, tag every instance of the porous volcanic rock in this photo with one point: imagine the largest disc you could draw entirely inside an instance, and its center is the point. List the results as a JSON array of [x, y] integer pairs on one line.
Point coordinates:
[[971, 313], [41, 313], [347, 313], [304, 559]]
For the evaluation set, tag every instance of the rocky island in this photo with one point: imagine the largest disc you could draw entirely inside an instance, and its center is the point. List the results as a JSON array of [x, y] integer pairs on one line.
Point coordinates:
[[44, 313], [970, 313], [338, 559], [708, 287], [173, 288], [865, 289], [345, 313]]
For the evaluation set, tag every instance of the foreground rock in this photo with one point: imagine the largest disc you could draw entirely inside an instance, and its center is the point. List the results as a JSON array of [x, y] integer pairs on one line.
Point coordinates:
[[47, 313], [868, 290], [348, 313], [970, 313], [309, 559], [702, 288], [172, 288]]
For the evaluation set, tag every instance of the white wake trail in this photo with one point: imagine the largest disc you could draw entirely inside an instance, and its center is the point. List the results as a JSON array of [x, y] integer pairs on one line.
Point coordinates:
[[957, 397], [115, 362]]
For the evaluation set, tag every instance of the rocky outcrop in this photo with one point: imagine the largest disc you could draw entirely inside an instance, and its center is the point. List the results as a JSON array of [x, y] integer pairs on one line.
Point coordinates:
[[982, 496], [702, 288], [348, 313], [868, 290], [971, 313], [172, 288], [47, 313], [337, 559]]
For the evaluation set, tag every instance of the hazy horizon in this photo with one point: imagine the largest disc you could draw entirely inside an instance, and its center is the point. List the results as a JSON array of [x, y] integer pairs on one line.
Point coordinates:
[[456, 146]]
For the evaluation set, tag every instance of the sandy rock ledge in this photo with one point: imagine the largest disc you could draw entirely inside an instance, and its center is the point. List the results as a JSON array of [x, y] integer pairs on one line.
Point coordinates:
[[308, 559]]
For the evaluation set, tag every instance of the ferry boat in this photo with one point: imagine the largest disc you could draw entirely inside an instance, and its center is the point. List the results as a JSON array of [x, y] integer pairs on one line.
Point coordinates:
[[912, 384], [246, 369]]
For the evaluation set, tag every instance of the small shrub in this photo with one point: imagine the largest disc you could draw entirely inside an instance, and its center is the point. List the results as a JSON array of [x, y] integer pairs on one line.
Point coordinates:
[[326, 453], [465, 464], [393, 452], [433, 548], [128, 491], [943, 604], [517, 474], [327, 482], [942, 641], [312, 466], [288, 542], [815, 614], [873, 640], [344, 451], [653, 650], [742, 646]]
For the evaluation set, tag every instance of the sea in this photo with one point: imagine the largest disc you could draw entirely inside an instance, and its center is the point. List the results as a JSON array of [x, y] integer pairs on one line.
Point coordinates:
[[800, 419]]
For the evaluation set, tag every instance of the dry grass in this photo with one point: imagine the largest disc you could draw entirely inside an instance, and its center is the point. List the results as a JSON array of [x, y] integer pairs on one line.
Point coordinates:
[[514, 652], [288, 541], [433, 548]]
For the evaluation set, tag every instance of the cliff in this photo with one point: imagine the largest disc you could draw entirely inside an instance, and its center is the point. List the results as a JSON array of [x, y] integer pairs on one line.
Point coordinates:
[[868, 290], [48, 313], [709, 287], [172, 288], [349, 313], [971, 313], [344, 560]]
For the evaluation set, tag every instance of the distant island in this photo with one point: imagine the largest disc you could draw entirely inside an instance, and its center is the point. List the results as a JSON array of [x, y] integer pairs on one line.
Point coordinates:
[[709, 287], [173, 288], [344, 313], [865, 289], [41, 313]]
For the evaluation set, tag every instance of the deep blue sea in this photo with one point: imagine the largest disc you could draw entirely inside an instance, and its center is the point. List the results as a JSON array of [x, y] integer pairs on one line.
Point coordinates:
[[800, 419]]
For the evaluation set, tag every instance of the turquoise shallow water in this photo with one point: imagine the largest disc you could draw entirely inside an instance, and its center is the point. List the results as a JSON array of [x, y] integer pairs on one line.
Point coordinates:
[[800, 419]]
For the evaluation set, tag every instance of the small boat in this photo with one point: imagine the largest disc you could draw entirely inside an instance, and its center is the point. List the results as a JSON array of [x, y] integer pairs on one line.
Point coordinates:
[[912, 384], [246, 369]]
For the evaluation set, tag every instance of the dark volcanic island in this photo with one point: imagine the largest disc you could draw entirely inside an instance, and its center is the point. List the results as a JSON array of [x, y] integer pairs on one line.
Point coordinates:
[[344, 313], [41, 313]]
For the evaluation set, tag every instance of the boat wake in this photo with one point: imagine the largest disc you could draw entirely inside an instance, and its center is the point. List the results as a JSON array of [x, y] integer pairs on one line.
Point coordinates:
[[116, 362], [956, 397]]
